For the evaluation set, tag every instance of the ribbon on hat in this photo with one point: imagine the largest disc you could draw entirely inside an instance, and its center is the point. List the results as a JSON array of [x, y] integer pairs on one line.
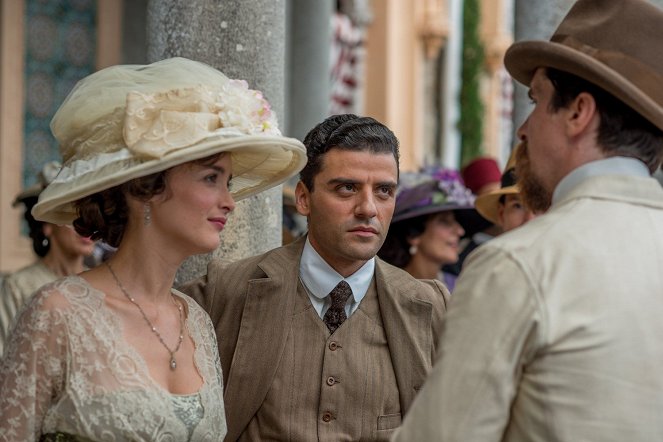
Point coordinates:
[[158, 123]]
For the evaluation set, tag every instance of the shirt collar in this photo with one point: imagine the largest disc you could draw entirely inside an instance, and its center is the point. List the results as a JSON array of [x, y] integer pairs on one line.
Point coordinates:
[[607, 166], [320, 278]]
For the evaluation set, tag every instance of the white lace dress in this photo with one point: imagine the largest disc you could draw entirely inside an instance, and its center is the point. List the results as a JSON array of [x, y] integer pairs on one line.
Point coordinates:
[[67, 368]]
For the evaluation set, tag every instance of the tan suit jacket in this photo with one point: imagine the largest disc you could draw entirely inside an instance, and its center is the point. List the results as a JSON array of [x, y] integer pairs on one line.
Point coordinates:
[[554, 331], [249, 302]]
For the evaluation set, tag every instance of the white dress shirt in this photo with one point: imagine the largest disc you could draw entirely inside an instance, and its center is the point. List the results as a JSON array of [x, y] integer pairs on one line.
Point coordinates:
[[319, 279]]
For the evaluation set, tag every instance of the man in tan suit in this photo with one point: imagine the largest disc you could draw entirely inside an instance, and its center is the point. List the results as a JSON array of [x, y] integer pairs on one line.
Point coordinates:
[[554, 331], [319, 339]]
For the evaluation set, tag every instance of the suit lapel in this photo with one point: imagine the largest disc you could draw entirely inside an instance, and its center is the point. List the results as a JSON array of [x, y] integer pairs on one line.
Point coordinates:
[[407, 324], [263, 334]]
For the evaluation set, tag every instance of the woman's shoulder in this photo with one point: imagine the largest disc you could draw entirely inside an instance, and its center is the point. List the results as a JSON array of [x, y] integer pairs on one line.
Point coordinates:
[[65, 293]]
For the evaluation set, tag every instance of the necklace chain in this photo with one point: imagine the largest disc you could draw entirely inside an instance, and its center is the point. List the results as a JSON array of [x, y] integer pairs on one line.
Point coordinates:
[[173, 363]]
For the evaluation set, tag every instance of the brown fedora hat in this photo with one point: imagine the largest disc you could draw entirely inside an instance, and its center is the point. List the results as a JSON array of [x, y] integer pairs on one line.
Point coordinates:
[[614, 44]]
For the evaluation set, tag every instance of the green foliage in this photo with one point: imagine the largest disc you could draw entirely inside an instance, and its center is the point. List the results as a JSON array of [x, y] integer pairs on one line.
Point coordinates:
[[471, 107]]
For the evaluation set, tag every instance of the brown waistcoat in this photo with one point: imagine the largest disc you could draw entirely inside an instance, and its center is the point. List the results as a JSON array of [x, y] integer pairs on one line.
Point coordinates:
[[340, 387]]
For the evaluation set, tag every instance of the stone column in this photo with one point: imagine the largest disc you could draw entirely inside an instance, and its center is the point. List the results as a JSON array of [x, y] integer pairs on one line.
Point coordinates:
[[243, 39], [535, 20], [308, 85]]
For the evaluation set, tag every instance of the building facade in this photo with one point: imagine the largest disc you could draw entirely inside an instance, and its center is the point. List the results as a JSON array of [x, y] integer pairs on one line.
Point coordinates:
[[396, 60]]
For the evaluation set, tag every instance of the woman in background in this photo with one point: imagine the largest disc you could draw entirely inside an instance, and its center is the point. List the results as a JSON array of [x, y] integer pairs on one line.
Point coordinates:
[[150, 156], [424, 234], [60, 249]]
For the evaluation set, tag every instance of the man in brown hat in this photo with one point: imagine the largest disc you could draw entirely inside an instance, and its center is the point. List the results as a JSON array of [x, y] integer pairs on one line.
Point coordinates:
[[554, 330]]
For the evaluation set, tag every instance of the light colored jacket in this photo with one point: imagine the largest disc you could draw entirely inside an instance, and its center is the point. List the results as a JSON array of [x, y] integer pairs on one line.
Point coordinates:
[[15, 290], [554, 331]]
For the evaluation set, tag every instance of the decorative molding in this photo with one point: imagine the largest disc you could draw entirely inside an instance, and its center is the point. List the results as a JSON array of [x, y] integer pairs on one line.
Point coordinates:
[[434, 28]]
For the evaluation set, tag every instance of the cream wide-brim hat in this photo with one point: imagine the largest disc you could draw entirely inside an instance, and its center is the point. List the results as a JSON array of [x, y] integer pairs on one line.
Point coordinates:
[[615, 44], [126, 122]]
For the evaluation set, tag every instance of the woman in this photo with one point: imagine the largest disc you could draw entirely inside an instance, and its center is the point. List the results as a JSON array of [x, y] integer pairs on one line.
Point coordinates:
[[60, 249], [424, 234], [150, 153]]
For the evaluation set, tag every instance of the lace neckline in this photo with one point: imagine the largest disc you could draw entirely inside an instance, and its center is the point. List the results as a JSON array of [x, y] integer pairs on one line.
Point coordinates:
[[131, 351]]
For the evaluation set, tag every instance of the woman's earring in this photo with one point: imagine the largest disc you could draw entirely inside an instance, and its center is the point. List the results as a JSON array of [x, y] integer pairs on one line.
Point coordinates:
[[44, 242], [147, 214], [413, 250]]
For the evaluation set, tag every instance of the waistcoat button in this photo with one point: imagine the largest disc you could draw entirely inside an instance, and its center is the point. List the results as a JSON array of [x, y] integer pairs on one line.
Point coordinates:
[[327, 416], [331, 381], [333, 345]]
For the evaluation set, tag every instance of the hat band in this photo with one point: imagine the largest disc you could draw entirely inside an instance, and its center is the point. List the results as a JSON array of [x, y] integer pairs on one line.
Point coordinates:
[[637, 73], [508, 178], [152, 125]]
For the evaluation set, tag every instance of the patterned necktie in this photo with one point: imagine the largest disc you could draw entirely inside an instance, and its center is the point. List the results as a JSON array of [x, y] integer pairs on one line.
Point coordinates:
[[336, 313]]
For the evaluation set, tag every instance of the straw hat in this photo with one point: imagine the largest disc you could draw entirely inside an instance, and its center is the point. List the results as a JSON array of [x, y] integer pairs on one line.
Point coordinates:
[[129, 121], [488, 203], [614, 44]]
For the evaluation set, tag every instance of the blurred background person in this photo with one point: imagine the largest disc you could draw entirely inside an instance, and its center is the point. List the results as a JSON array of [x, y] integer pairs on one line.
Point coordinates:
[[504, 206], [482, 176], [424, 234], [60, 251]]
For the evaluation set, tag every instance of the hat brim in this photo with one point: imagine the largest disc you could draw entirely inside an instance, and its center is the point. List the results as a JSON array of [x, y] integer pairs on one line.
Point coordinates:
[[31, 192], [259, 162], [487, 204], [428, 210], [523, 58]]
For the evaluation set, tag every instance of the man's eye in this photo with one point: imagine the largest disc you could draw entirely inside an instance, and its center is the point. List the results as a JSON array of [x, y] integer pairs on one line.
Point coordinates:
[[386, 190], [211, 178]]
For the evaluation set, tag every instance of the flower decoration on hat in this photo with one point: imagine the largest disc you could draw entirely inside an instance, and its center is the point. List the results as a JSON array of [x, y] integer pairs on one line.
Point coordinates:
[[452, 188], [160, 122], [435, 191]]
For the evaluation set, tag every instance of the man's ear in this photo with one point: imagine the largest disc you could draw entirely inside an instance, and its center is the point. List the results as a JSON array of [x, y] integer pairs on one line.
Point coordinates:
[[580, 114], [302, 199]]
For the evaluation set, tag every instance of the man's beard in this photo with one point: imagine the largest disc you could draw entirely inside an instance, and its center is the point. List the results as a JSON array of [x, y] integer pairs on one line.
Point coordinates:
[[534, 195]]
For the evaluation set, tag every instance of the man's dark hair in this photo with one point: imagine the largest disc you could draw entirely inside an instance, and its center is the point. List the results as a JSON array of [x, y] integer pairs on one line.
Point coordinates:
[[345, 132], [622, 131]]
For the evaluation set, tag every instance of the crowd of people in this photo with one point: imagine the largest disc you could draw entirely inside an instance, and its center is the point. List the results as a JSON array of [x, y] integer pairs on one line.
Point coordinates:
[[441, 305]]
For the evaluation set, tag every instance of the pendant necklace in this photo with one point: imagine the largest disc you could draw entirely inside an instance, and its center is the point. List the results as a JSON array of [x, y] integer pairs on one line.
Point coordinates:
[[173, 362]]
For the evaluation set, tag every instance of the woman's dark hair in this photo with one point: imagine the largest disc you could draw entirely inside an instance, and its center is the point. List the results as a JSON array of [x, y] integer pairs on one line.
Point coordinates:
[[622, 130], [104, 215], [396, 247], [40, 243]]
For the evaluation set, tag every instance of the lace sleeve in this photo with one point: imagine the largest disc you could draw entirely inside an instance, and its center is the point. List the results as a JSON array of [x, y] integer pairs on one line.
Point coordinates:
[[33, 366]]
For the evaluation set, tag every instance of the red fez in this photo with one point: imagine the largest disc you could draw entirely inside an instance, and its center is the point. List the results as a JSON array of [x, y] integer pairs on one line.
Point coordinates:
[[479, 172]]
